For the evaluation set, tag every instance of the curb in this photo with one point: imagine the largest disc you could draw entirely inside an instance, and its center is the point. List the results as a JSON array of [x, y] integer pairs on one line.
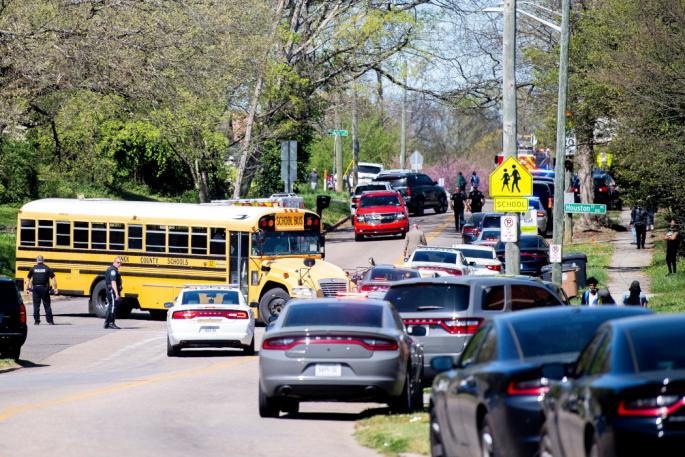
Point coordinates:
[[337, 224]]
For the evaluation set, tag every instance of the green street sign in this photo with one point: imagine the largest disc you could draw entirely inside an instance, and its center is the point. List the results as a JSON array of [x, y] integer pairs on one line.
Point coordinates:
[[585, 208], [335, 132]]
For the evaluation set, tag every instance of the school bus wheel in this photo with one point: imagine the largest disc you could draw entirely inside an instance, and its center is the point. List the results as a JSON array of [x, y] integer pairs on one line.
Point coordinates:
[[272, 303], [98, 300]]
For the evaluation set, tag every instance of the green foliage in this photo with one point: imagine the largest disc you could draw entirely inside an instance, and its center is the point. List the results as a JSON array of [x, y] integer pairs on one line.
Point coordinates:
[[7, 253], [18, 175], [393, 435], [669, 291], [8, 216]]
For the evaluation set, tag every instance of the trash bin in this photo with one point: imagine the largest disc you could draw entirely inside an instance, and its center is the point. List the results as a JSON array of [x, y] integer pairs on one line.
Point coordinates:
[[569, 275], [577, 259]]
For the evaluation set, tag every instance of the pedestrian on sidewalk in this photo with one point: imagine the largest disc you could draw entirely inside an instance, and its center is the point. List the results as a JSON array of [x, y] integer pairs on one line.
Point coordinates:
[[672, 244], [638, 219], [313, 178], [591, 296], [461, 182], [605, 297], [475, 180], [634, 296]]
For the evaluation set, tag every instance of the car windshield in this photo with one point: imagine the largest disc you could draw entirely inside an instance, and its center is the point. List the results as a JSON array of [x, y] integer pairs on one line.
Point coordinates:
[[525, 242], [477, 254], [367, 187], [599, 181], [435, 256], [395, 181], [490, 234], [535, 204], [334, 315], [391, 274], [662, 353], [476, 218], [491, 221], [368, 201], [556, 336], [373, 169], [210, 297], [285, 243], [8, 294], [422, 297]]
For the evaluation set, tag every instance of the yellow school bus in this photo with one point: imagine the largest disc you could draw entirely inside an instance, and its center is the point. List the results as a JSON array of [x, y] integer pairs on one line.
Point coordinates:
[[273, 254]]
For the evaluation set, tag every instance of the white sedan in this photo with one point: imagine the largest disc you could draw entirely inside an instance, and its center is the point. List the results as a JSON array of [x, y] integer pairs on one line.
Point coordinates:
[[483, 259], [209, 316], [438, 261]]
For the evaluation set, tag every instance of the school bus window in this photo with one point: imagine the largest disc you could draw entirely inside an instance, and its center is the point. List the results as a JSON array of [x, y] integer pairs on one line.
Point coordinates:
[[98, 235], [199, 241], [80, 235], [116, 237], [45, 233], [135, 237], [28, 232], [155, 238], [63, 233], [217, 243], [178, 239]]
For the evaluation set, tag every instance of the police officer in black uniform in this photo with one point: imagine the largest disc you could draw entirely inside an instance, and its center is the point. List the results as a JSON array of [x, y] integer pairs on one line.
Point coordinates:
[[113, 284], [39, 278], [477, 199]]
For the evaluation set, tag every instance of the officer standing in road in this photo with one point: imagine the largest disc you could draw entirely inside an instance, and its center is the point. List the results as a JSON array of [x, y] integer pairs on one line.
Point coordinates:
[[477, 200], [41, 276], [458, 200], [415, 238], [113, 284]]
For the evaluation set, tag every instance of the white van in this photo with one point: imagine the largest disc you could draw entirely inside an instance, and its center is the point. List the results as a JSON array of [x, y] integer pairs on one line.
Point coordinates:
[[366, 172]]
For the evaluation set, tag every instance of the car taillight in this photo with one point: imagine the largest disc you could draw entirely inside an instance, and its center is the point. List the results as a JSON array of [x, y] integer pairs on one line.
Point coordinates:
[[373, 287], [449, 271], [355, 199], [408, 191], [661, 405], [452, 326], [533, 255], [370, 343], [22, 313], [469, 229], [192, 314], [494, 267], [550, 202], [603, 189], [530, 387], [541, 214]]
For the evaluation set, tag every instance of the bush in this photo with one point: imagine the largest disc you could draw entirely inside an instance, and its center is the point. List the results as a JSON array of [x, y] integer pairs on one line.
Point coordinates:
[[18, 176]]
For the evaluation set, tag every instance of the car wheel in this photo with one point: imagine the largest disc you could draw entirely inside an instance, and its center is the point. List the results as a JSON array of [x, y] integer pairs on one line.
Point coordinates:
[[418, 208], [268, 406], [403, 235], [442, 206], [358, 237], [487, 442], [403, 403], [98, 300], [171, 350], [11, 353], [272, 303], [437, 449], [594, 448], [249, 349], [290, 406], [545, 443], [124, 309]]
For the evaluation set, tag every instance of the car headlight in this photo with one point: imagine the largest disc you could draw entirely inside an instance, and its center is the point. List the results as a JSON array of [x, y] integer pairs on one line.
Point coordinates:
[[303, 292], [401, 216], [361, 219]]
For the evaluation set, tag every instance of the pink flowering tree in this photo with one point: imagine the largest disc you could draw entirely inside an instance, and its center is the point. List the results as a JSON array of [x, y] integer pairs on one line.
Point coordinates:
[[449, 169]]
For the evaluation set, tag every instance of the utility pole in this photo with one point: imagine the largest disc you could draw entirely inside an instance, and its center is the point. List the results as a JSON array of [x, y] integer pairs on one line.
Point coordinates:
[[338, 146], [403, 127], [355, 140], [560, 166], [512, 253]]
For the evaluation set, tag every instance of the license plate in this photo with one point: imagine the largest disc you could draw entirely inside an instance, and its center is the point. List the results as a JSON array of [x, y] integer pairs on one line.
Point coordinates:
[[208, 321], [290, 221], [330, 370], [209, 329]]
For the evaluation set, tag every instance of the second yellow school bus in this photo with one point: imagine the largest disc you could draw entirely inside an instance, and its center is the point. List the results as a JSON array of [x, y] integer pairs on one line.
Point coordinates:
[[273, 254]]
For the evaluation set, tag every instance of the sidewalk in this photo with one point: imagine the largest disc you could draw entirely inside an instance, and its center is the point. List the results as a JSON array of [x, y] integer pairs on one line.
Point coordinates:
[[627, 262]]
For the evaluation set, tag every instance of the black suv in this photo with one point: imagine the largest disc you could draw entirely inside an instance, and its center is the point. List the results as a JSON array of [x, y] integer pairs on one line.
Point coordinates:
[[12, 320], [418, 190]]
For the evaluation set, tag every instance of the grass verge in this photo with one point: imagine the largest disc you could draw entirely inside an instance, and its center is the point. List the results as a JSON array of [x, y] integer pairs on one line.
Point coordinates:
[[598, 258], [6, 364], [8, 216], [7, 254], [339, 208], [669, 291], [395, 434]]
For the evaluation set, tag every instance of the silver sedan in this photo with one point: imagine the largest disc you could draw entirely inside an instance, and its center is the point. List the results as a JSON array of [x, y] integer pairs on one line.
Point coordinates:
[[338, 349]]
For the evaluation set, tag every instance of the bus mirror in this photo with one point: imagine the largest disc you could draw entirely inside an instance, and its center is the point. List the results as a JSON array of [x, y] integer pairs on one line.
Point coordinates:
[[261, 237], [168, 305], [322, 202], [309, 263], [266, 268], [254, 304]]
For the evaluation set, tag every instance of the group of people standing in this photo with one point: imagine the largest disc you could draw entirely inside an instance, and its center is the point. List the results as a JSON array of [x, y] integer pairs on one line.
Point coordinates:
[[595, 296], [461, 201]]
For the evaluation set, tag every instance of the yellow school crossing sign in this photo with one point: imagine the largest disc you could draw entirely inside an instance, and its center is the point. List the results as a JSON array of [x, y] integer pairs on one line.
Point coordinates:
[[511, 179]]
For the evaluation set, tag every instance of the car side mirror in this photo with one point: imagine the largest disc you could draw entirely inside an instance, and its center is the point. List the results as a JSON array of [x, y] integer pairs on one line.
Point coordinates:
[[472, 263], [442, 363], [406, 259], [168, 305]]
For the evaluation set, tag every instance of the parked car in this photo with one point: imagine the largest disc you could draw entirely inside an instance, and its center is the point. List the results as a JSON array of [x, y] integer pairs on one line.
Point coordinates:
[[534, 254], [360, 189], [209, 316], [418, 190], [606, 191], [338, 349], [544, 190], [534, 203], [377, 279], [367, 172], [443, 261], [489, 403], [13, 329], [471, 229], [482, 259], [381, 212], [488, 237], [626, 396], [443, 313]]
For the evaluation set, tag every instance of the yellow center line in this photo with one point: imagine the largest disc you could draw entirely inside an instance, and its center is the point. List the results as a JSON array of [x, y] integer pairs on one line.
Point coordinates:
[[27, 407], [432, 234]]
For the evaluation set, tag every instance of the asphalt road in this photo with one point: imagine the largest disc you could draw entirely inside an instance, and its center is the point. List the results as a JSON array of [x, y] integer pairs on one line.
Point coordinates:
[[89, 391]]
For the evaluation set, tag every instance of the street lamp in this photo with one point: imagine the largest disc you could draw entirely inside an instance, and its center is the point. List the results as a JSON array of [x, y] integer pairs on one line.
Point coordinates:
[[558, 210]]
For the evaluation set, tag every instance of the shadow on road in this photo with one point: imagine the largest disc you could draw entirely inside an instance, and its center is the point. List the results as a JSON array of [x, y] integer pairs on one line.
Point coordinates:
[[197, 353], [29, 364]]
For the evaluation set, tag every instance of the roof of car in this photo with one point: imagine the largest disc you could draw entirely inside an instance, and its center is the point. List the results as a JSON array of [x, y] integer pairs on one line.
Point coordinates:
[[654, 322], [342, 299], [435, 248], [497, 280], [472, 246], [374, 193], [558, 312]]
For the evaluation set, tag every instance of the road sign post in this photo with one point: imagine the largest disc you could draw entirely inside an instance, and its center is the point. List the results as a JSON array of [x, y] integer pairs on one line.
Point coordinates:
[[337, 132], [509, 229], [416, 161], [585, 208], [510, 205]]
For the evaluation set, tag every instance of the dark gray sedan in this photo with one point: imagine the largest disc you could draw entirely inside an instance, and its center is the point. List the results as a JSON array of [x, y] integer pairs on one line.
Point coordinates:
[[338, 349]]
